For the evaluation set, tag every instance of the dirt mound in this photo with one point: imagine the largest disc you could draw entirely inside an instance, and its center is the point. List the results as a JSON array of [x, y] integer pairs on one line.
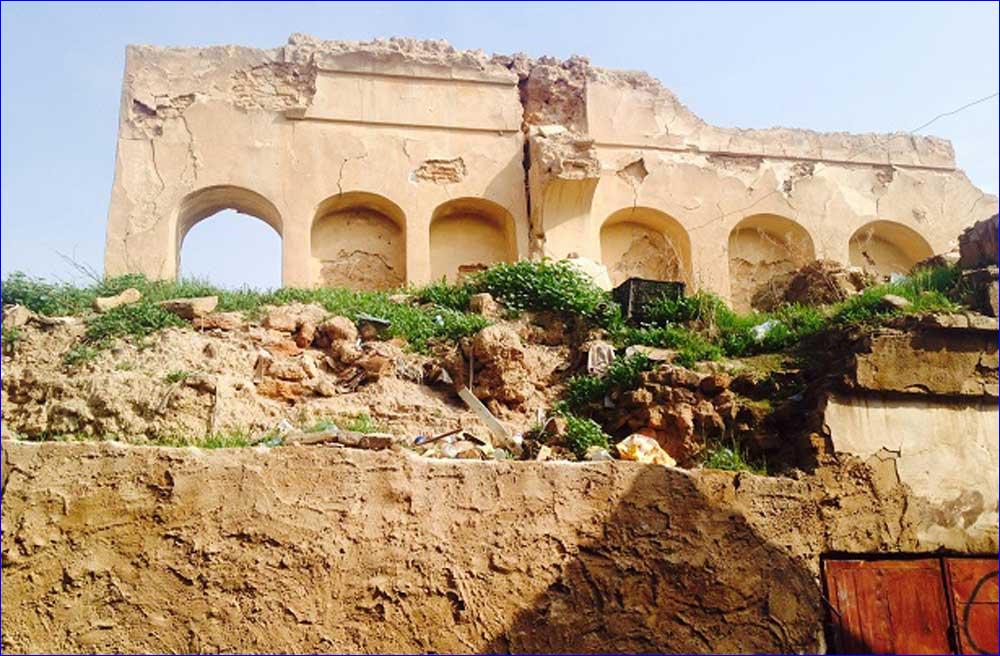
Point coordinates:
[[237, 376]]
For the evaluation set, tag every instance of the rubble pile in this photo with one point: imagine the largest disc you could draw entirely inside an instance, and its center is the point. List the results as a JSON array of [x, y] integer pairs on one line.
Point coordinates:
[[978, 261], [820, 282], [684, 411]]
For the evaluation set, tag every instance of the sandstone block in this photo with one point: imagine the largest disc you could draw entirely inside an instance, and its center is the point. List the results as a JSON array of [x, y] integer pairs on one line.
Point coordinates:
[[339, 329], [484, 304], [219, 321], [103, 304], [190, 308]]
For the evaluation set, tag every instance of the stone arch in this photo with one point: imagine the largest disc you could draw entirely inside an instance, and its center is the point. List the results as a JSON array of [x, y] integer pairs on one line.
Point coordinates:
[[643, 242], [468, 235], [358, 241], [204, 203], [886, 247], [762, 246]]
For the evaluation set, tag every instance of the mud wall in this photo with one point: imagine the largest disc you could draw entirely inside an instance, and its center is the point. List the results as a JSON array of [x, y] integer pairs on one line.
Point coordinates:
[[116, 548]]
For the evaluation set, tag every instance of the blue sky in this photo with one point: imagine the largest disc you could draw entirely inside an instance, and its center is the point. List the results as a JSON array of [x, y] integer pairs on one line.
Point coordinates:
[[860, 67]]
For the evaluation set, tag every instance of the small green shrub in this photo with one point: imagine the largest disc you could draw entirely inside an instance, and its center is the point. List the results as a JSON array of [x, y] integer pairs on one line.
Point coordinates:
[[53, 299], [623, 374], [731, 458], [691, 346], [548, 285], [135, 320], [929, 290], [701, 307], [176, 376], [221, 440], [446, 295], [11, 336], [80, 354], [582, 433], [361, 423]]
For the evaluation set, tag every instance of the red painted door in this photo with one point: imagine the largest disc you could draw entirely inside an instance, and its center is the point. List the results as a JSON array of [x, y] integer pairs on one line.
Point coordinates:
[[888, 606], [972, 584]]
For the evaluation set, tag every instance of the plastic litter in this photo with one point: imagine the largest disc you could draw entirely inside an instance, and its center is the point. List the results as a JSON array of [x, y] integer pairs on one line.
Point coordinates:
[[761, 330], [640, 448], [598, 454]]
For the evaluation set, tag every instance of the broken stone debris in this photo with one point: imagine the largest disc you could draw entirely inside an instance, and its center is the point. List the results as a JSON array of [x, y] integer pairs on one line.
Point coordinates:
[[103, 304], [190, 308], [820, 282], [897, 302]]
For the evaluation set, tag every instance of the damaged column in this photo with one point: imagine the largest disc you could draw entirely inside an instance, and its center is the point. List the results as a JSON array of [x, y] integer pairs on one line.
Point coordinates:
[[562, 178]]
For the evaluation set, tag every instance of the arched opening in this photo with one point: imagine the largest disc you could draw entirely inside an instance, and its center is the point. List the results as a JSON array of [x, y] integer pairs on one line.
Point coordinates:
[[359, 242], [227, 250], [468, 235], [640, 242], [886, 247], [763, 246]]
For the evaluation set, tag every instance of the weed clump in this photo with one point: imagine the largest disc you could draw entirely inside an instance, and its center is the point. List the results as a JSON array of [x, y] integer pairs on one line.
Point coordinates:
[[623, 374]]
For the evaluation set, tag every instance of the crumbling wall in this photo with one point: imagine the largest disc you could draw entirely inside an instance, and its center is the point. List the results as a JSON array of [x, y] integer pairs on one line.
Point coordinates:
[[561, 146], [316, 549], [634, 250]]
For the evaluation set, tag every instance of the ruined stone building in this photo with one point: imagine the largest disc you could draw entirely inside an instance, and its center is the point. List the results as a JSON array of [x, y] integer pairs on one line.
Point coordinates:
[[404, 161]]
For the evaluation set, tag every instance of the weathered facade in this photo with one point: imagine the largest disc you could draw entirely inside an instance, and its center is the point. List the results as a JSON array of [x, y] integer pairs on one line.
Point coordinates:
[[404, 161]]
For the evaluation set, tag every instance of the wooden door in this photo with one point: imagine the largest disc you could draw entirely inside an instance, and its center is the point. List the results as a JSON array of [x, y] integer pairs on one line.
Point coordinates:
[[888, 606], [972, 585]]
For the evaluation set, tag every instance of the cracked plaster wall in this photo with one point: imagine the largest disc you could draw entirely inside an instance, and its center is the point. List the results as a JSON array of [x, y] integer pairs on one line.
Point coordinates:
[[419, 124], [944, 450]]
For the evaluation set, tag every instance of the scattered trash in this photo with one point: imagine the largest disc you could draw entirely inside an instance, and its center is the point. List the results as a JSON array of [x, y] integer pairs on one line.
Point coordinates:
[[600, 355], [370, 327], [654, 353], [335, 436], [761, 330], [598, 454], [499, 432], [640, 448]]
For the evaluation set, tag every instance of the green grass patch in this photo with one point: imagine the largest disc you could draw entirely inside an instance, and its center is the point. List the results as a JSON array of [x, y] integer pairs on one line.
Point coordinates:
[[690, 345], [176, 376], [10, 338], [548, 285], [583, 433], [731, 457], [929, 290], [359, 423], [444, 294]]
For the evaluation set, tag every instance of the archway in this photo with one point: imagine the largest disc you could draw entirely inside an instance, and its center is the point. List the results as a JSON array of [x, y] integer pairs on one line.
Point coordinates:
[[358, 241], [642, 242], [468, 235], [215, 242], [761, 247], [886, 247]]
